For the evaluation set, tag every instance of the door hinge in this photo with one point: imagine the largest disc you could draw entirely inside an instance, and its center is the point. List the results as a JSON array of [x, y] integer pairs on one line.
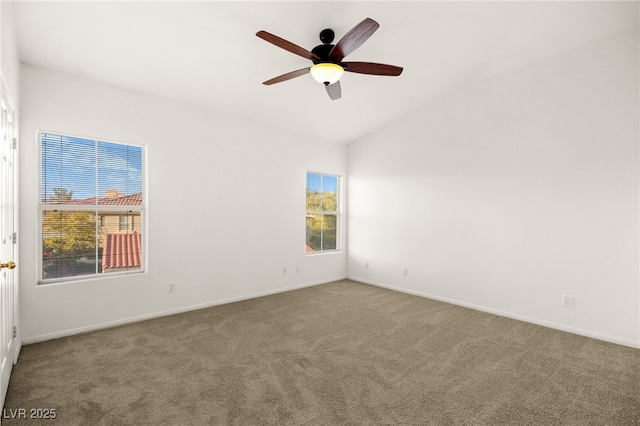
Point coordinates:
[[14, 238], [15, 331], [15, 143]]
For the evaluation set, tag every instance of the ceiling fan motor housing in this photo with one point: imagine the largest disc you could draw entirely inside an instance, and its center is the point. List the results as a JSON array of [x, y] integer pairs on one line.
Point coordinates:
[[322, 50]]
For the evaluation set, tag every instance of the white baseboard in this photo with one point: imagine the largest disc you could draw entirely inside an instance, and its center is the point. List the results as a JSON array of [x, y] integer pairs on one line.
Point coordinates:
[[110, 324], [16, 354], [556, 326]]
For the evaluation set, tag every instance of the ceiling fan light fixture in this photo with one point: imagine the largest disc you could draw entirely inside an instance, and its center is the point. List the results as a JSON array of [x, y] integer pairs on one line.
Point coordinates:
[[326, 72]]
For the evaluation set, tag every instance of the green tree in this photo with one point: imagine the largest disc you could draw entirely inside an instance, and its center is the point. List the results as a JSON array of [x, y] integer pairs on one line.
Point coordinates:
[[61, 195], [68, 235], [322, 227]]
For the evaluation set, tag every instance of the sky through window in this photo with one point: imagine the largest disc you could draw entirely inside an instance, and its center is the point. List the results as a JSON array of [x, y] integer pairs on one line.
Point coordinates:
[[88, 168]]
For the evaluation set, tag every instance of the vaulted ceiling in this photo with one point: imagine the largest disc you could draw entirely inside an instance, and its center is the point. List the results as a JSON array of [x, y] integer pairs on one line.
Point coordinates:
[[206, 53]]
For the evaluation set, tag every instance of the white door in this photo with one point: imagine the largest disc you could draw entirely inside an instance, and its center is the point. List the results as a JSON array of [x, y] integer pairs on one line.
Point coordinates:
[[7, 240]]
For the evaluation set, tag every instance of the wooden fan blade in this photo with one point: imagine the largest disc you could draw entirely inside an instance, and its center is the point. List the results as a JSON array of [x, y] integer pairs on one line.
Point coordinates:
[[287, 45], [353, 39], [371, 68], [334, 90], [287, 76]]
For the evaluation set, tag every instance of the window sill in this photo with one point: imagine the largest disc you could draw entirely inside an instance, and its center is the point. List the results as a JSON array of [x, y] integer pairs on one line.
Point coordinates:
[[319, 253]]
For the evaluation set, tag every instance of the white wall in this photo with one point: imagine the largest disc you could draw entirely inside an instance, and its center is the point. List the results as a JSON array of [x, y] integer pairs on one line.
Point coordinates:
[[226, 206], [9, 58], [511, 192]]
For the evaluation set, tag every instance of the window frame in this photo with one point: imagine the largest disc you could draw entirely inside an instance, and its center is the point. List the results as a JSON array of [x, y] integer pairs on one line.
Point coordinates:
[[94, 208], [337, 212]]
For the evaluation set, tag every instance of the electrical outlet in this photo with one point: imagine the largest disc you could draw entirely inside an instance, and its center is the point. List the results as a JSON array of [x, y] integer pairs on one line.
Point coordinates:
[[172, 287], [366, 265], [298, 269], [284, 270], [568, 301], [405, 271]]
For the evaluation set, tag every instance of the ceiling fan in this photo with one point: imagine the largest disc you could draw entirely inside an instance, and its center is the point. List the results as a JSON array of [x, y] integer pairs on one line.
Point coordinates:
[[327, 58]]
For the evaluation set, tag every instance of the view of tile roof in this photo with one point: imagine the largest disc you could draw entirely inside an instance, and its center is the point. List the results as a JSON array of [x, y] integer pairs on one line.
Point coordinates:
[[109, 200], [125, 200], [122, 251], [309, 249]]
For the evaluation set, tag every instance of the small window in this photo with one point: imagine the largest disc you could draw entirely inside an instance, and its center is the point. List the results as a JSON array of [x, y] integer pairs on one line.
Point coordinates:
[[323, 212], [91, 207], [127, 222]]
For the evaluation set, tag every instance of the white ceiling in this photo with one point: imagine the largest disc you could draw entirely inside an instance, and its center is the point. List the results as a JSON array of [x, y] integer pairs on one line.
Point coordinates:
[[206, 53]]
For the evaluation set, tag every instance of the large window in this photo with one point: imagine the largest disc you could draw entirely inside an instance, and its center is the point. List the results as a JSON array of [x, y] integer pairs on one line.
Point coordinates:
[[323, 217], [91, 207]]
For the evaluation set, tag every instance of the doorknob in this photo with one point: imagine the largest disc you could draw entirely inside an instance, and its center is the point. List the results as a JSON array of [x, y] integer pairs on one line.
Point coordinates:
[[10, 264]]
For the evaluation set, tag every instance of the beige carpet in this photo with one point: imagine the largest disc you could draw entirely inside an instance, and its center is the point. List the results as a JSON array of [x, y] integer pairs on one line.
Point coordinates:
[[342, 353]]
